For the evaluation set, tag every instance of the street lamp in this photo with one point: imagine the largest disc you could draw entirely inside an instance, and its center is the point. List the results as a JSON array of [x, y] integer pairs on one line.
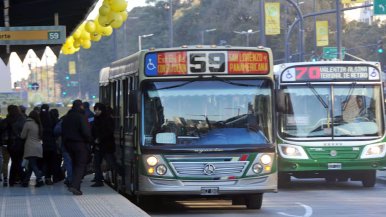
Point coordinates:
[[285, 25], [247, 33], [139, 40], [202, 34]]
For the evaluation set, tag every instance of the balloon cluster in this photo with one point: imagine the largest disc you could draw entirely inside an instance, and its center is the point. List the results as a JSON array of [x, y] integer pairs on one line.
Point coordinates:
[[111, 15]]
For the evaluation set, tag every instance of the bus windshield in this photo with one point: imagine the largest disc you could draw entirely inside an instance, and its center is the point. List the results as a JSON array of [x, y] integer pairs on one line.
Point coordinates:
[[353, 111], [217, 112]]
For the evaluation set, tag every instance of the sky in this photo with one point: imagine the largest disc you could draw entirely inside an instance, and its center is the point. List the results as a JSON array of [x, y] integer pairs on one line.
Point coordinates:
[[21, 70]]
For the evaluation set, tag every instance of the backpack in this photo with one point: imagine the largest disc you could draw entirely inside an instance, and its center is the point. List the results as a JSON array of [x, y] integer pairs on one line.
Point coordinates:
[[15, 142]]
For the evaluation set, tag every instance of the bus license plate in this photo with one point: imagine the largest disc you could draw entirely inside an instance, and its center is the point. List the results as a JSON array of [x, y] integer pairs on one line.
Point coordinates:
[[209, 191], [334, 166]]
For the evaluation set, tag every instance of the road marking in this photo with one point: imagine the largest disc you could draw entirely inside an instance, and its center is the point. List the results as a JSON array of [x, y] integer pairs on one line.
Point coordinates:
[[308, 211]]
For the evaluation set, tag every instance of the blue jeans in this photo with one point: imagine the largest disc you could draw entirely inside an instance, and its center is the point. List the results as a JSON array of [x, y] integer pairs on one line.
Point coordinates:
[[111, 161], [67, 163], [33, 167]]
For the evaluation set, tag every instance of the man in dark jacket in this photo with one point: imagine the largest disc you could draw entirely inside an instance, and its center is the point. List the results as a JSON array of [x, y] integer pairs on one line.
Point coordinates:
[[76, 135], [104, 143]]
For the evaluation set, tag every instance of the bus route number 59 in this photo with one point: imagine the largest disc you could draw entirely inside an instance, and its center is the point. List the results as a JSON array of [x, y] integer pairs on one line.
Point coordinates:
[[53, 35]]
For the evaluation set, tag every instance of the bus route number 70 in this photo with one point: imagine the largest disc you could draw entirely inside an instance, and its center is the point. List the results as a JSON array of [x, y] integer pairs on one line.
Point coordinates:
[[313, 72]]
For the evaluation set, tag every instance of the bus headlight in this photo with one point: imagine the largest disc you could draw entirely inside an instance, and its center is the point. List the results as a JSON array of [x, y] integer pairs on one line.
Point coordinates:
[[161, 169], [374, 151], [265, 159], [292, 151], [152, 161], [257, 168]]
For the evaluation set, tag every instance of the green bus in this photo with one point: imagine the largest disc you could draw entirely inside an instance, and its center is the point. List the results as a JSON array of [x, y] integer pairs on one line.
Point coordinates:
[[330, 121], [194, 121]]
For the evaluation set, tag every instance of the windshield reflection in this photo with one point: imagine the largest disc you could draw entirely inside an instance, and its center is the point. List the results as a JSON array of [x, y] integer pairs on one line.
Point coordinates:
[[207, 113]]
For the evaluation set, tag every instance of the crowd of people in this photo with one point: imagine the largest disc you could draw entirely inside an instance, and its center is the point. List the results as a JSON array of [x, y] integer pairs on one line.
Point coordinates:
[[56, 149]]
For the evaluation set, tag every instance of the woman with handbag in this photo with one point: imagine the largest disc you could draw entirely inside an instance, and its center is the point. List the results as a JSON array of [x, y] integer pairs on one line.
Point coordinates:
[[33, 149], [14, 123]]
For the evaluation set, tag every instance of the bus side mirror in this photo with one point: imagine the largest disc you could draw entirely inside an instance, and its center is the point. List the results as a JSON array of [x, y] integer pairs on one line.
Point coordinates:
[[135, 101], [280, 104]]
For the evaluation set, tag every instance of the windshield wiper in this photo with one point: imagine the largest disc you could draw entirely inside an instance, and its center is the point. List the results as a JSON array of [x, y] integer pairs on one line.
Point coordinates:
[[183, 84], [234, 83], [309, 85], [352, 87]]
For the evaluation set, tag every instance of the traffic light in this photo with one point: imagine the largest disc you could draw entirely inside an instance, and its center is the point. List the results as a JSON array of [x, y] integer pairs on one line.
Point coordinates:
[[64, 93], [313, 56], [68, 85], [380, 46], [50, 89], [93, 96], [67, 77], [30, 85]]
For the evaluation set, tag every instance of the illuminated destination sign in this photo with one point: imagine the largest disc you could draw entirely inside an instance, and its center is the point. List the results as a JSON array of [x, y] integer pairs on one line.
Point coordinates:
[[206, 62], [330, 73]]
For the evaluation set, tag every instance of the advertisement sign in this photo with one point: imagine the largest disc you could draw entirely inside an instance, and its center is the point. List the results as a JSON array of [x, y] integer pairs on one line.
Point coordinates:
[[72, 68], [38, 96], [322, 33], [207, 62], [44, 74], [28, 35], [330, 73], [272, 18]]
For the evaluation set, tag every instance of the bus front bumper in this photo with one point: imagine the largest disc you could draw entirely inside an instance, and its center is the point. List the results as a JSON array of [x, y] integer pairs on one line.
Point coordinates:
[[298, 165], [161, 186]]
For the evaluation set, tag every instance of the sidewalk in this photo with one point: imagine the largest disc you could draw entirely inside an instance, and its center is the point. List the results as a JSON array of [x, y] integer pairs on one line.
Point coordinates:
[[381, 176], [56, 201]]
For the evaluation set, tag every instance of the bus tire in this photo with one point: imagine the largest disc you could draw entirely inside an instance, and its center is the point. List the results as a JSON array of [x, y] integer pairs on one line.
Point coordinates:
[[369, 179], [254, 201], [283, 179], [147, 203], [330, 179]]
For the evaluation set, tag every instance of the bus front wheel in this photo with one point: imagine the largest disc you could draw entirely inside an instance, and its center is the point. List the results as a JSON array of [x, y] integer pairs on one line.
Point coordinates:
[[254, 201], [369, 179]]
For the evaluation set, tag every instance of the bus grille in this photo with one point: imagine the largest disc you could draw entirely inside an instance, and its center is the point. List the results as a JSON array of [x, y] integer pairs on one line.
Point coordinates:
[[196, 169], [346, 152]]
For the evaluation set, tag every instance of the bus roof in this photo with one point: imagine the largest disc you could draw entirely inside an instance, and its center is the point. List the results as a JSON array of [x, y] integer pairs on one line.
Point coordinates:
[[104, 76]]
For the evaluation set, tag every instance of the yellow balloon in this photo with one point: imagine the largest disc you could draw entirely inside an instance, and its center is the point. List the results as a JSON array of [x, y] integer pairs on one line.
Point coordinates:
[[96, 20], [81, 41], [123, 15], [86, 44], [105, 31], [90, 27], [86, 35], [77, 49], [115, 19], [104, 10], [96, 36], [77, 34], [110, 1], [65, 50], [81, 27], [70, 40], [77, 43], [118, 5], [103, 21], [106, 2]]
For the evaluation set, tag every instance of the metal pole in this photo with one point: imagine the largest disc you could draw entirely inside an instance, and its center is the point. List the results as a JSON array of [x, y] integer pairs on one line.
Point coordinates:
[[338, 29], [139, 43], [285, 32], [48, 88], [262, 22], [124, 39], [170, 23], [315, 40], [299, 45]]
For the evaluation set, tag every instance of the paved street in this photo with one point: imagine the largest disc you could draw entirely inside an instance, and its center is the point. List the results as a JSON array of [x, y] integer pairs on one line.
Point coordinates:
[[306, 197]]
